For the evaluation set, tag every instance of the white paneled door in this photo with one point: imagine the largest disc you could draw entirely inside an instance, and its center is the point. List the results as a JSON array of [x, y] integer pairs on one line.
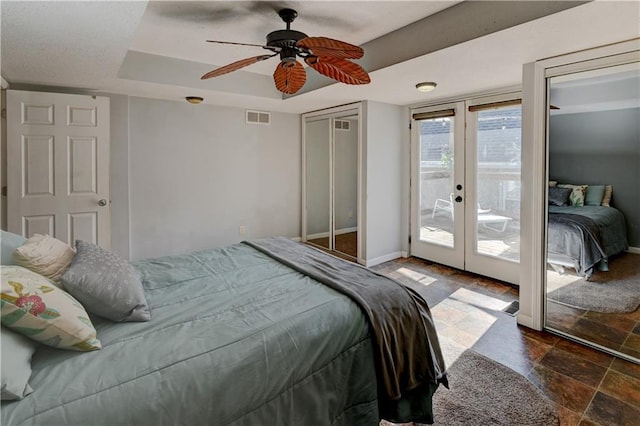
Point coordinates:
[[58, 166]]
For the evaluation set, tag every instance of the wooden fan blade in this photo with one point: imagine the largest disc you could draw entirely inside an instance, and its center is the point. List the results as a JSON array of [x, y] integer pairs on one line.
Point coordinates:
[[273, 48], [339, 69], [323, 46], [289, 77], [235, 66]]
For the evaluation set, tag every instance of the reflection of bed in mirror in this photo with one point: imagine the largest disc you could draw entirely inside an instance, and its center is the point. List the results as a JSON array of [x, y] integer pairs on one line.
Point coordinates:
[[584, 237]]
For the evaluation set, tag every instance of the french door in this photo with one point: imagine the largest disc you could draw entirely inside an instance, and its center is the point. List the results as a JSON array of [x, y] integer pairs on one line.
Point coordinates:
[[466, 185]]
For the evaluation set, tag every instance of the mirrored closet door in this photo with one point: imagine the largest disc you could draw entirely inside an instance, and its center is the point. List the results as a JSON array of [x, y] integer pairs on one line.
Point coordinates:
[[318, 182], [593, 205], [330, 210]]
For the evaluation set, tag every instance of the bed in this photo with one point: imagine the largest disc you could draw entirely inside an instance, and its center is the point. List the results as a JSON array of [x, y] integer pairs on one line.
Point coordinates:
[[240, 335], [584, 237]]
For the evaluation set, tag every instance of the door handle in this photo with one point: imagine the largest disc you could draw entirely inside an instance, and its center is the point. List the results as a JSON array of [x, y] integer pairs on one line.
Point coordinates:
[[458, 199], [102, 202]]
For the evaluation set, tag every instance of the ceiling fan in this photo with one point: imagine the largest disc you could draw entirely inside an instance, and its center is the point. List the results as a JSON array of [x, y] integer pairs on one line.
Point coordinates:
[[327, 56]]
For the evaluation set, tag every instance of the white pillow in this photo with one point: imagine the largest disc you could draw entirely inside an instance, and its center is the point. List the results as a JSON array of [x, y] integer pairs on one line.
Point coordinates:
[[44, 255]]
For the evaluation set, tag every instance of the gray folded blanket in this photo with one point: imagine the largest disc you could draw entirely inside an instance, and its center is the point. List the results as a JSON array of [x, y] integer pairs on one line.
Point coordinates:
[[409, 360]]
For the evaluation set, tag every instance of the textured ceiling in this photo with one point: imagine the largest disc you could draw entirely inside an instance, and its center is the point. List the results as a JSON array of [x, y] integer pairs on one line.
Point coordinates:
[[157, 49]]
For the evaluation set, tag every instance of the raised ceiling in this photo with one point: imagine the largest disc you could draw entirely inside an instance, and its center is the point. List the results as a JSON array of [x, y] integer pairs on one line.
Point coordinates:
[[157, 49]]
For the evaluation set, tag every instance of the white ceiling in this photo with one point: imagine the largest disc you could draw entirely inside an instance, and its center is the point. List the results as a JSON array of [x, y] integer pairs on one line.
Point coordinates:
[[158, 49], [178, 29]]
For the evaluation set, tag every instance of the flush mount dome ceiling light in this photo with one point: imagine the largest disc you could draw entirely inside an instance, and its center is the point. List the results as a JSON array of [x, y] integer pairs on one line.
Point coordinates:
[[426, 86], [194, 99]]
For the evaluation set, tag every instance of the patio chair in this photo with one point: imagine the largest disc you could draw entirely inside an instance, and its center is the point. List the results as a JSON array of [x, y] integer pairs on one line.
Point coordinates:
[[447, 206]]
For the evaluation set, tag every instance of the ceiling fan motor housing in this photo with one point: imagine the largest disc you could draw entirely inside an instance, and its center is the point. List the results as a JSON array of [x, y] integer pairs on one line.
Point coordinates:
[[284, 38]]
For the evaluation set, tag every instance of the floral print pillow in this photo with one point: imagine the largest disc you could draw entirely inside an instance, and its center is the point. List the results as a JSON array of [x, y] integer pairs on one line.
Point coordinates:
[[33, 306]]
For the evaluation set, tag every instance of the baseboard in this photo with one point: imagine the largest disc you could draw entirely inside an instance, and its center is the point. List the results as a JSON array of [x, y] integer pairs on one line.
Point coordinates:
[[634, 250], [382, 259], [298, 239], [326, 234], [318, 235], [404, 254], [346, 230]]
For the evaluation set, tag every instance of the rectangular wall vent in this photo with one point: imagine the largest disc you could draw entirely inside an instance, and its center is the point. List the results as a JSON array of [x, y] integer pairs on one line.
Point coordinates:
[[258, 117], [342, 124]]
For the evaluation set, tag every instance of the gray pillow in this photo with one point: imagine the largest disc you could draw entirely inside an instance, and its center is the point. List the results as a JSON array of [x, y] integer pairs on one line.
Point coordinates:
[[105, 284], [559, 196], [16, 355]]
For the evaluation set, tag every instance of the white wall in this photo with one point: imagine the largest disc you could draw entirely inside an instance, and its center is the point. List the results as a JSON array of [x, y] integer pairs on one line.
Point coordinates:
[[198, 173], [405, 180], [119, 174], [385, 180]]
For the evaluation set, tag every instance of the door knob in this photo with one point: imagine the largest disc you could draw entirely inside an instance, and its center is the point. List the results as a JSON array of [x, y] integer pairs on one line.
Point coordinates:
[[458, 199], [102, 202]]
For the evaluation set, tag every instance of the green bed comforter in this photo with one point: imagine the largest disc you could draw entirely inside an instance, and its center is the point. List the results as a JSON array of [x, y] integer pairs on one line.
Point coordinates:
[[235, 338], [610, 222]]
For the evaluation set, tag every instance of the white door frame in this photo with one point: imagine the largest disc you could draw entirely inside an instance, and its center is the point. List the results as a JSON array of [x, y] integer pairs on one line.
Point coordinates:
[[336, 112]]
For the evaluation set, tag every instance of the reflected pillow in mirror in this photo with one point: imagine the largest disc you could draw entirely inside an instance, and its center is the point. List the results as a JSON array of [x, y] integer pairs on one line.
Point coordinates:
[[606, 198], [594, 195], [559, 196], [576, 197]]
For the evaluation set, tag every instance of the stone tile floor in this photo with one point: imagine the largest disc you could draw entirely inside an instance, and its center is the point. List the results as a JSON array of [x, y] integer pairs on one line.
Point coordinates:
[[588, 387]]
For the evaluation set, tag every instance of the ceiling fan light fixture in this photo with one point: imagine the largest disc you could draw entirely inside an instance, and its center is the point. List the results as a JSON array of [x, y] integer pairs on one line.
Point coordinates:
[[194, 99], [426, 86]]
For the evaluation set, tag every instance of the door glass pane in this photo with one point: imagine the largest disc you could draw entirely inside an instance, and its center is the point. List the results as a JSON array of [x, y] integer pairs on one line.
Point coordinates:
[[436, 181], [317, 153], [345, 164], [498, 177]]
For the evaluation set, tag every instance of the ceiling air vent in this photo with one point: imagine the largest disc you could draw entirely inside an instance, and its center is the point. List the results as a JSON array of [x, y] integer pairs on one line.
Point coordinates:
[[258, 117], [342, 124]]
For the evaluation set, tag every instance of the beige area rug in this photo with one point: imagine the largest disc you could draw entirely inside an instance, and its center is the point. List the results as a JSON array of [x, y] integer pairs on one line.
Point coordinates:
[[615, 291], [484, 392]]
